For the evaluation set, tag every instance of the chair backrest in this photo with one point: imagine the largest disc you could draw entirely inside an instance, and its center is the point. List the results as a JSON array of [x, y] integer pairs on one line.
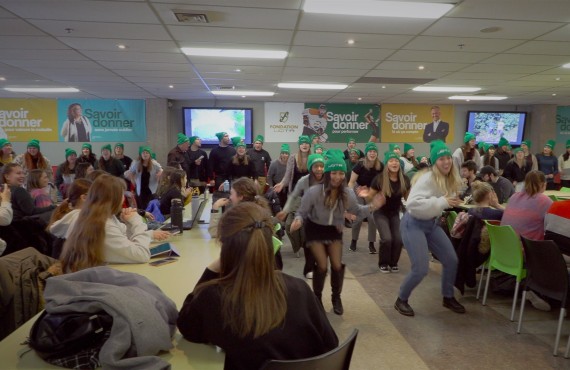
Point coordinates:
[[506, 250], [336, 359], [547, 271], [451, 216], [553, 197], [565, 189]]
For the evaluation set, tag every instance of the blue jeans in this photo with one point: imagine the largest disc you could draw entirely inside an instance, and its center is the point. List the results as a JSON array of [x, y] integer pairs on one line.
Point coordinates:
[[419, 236]]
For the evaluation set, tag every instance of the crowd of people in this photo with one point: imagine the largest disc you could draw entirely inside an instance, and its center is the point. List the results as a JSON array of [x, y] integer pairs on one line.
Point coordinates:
[[313, 194]]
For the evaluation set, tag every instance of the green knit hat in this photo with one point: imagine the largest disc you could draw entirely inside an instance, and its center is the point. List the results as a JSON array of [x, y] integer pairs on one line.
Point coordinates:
[[69, 152], [333, 152], [393, 146], [236, 140], [517, 150], [304, 139], [370, 146], [350, 138], [182, 139], [527, 143], [439, 150], [419, 158], [285, 148], [550, 144], [318, 146], [567, 144], [487, 146], [220, 135], [335, 163], [108, 147], [314, 158], [192, 139], [390, 155], [503, 142], [34, 143], [145, 148], [259, 138], [357, 151], [120, 145], [312, 137], [468, 137], [434, 143], [407, 147], [4, 142], [87, 146]]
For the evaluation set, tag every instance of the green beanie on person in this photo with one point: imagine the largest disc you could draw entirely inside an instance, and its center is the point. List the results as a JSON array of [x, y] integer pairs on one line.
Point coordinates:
[[333, 152], [390, 155], [517, 150], [393, 146], [145, 148], [318, 146], [236, 141], [259, 138], [503, 142], [349, 140], [120, 145], [69, 152], [567, 144], [357, 151], [468, 137], [108, 147], [182, 139], [87, 146], [434, 143], [34, 143], [551, 144], [314, 158], [192, 139], [304, 139], [220, 135], [334, 163], [4, 142], [370, 146], [439, 150], [407, 147], [285, 148], [528, 143]]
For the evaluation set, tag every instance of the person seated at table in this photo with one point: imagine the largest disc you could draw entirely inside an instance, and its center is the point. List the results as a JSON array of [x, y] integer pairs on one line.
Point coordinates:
[[98, 237], [468, 174], [176, 189], [38, 186], [526, 209], [503, 187], [244, 306], [557, 225], [486, 201], [83, 169]]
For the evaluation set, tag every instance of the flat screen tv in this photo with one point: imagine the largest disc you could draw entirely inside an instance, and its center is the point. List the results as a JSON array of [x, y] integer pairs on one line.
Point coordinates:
[[205, 122], [489, 126]]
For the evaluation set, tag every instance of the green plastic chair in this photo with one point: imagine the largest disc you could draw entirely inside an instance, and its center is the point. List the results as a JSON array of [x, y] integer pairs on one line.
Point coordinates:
[[506, 256], [565, 190], [451, 216]]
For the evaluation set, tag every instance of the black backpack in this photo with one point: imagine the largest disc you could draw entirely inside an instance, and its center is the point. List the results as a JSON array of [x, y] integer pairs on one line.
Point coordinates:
[[57, 336]]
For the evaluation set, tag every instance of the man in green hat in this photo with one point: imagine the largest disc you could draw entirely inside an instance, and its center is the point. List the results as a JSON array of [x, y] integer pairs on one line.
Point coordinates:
[[276, 172], [261, 161], [199, 164], [177, 156], [437, 129], [220, 158], [110, 164]]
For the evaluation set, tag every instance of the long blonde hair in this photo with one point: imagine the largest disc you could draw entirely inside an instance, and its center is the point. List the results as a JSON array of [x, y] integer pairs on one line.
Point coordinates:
[[253, 293], [387, 184], [84, 246], [301, 160], [447, 184]]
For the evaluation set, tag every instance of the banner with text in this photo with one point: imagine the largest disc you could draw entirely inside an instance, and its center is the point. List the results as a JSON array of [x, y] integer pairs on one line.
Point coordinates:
[[25, 119], [562, 127], [413, 123], [101, 120], [332, 123]]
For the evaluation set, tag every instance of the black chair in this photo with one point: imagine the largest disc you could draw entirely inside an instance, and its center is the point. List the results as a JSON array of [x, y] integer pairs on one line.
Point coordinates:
[[337, 359], [547, 274]]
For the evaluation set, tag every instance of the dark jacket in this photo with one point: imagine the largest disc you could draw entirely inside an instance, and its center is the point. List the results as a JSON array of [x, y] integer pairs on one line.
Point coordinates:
[[113, 166], [468, 255], [261, 160]]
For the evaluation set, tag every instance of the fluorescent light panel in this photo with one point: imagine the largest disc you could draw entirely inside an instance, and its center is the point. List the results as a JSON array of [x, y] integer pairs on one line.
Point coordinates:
[[399, 9], [288, 85], [243, 93], [446, 89], [477, 97], [567, 65], [42, 89], [235, 53]]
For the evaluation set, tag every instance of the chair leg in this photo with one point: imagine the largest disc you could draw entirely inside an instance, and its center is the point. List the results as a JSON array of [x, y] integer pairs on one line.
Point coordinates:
[[480, 281], [515, 300], [487, 286], [558, 330], [523, 303]]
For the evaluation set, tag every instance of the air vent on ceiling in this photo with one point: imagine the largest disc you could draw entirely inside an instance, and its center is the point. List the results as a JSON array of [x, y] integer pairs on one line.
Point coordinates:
[[393, 81], [185, 17]]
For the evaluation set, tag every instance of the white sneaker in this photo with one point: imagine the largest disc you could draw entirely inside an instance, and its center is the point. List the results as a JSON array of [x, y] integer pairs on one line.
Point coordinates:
[[309, 275], [537, 302]]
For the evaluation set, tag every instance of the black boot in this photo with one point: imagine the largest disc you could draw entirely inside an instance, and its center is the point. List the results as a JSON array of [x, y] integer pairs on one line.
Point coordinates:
[[319, 283], [352, 247], [337, 279]]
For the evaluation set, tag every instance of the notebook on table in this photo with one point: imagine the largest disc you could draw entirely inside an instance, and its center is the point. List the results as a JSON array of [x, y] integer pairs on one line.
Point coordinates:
[[163, 250]]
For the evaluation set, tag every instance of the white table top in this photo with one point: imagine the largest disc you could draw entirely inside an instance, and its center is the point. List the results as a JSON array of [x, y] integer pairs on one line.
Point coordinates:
[[175, 279]]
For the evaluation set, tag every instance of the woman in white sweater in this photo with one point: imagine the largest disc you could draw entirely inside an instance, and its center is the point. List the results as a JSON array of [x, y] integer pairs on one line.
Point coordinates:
[[98, 237], [433, 192], [467, 152]]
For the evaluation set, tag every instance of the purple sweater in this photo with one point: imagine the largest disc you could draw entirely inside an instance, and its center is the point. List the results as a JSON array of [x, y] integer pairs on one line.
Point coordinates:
[[526, 214]]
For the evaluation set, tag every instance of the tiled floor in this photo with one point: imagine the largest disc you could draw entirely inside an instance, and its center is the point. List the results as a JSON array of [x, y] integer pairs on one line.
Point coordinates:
[[435, 338]]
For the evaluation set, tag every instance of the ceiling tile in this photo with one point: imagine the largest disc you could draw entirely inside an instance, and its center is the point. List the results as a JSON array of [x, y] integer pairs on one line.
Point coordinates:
[[30, 42], [129, 56], [518, 30], [42, 55], [331, 63], [461, 44], [362, 40], [341, 72], [560, 34], [276, 4], [413, 66], [370, 25], [438, 56], [191, 35], [339, 53], [17, 27], [527, 59], [526, 10], [103, 30], [85, 43], [543, 48]]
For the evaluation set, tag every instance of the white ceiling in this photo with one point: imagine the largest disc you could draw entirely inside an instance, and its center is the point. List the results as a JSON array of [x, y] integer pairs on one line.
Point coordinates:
[[74, 43]]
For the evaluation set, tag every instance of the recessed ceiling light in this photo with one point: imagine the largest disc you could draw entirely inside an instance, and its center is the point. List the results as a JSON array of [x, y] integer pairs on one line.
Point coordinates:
[[477, 97], [446, 89], [567, 65], [421, 67], [237, 70], [171, 86], [121, 46], [383, 86], [359, 98], [557, 78], [243, 93], [350, 42], [2, 78], [286, 85], [399, 9], [42, 89], [243, 96], [553, 94], [235, 53]]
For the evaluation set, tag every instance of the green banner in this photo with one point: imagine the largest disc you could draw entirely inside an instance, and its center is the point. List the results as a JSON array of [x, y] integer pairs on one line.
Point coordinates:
[[334, 123], [562, 125]]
